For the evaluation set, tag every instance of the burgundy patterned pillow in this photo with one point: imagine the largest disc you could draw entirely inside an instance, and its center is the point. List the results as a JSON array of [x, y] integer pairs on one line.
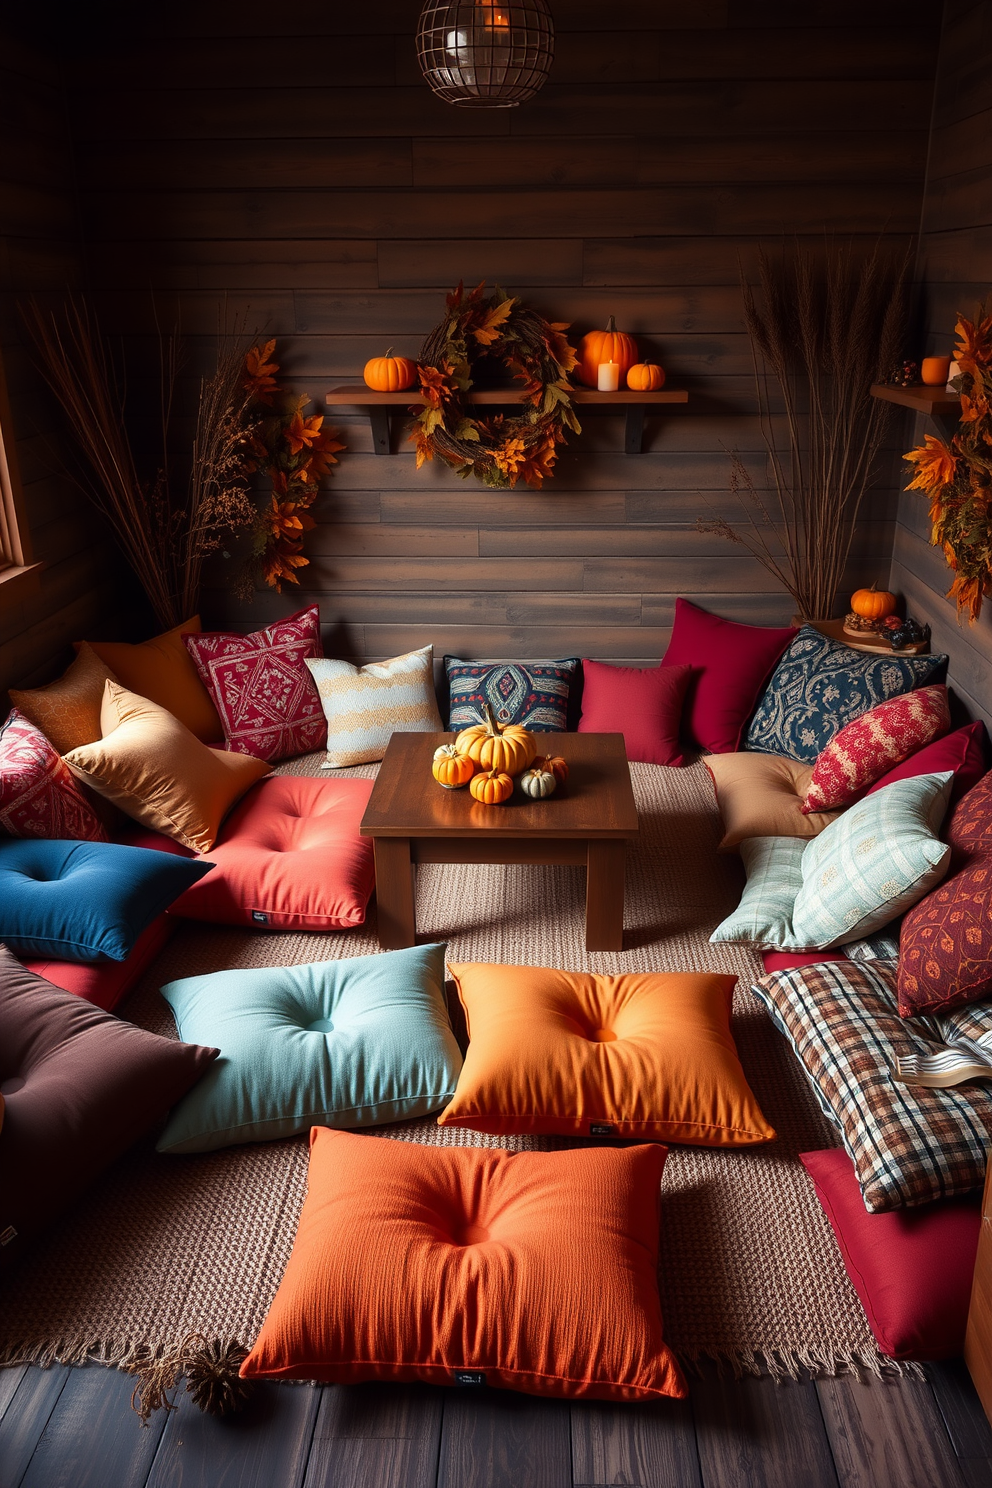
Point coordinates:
[[868, 746], [945, 946], [39, 796], [260, 686]]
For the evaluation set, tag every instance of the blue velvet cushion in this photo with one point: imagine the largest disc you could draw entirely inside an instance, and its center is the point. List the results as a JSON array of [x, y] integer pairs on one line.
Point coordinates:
[[346, 1043], [533, 693], [85, 901], [820, 685]]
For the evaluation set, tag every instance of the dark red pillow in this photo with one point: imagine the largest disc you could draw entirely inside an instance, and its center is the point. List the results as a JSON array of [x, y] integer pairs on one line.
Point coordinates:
[[105, 983], [793, 960], [731, 665], [911, 1268], [962, 751], [79, 1086], [642, 703]]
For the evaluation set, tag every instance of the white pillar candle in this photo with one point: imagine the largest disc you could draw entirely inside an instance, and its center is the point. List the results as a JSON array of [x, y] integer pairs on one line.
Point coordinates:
[[609, 377]]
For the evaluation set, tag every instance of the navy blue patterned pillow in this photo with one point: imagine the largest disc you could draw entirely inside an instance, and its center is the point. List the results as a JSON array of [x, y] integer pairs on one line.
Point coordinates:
[[533, 693], [820, 685]]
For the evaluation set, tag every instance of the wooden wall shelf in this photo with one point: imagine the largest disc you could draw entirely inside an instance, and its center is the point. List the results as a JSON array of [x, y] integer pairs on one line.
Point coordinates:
[[936, 402], [379, 405]]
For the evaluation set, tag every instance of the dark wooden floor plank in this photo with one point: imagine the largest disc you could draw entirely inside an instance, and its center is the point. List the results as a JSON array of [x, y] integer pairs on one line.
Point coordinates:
[[9, 1381], [26, 1418], [752, 1433], [496, 1439], [376, 1436], [887, 1434], [961, 1408], [93, 1439], [265, 1447], [650, 1446]]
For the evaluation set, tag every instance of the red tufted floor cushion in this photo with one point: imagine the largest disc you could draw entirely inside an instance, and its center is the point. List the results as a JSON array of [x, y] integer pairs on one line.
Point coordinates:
[[289, 857], [105, 983]]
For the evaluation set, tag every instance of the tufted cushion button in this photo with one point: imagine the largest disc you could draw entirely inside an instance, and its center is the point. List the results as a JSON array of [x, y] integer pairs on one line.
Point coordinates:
[[470, 1234], [12, 1085], [322, 1025], [603, 1036]]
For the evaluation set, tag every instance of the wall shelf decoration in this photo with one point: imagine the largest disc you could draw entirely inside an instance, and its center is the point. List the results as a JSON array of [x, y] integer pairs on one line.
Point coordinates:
[[378, 406], [936, 402]]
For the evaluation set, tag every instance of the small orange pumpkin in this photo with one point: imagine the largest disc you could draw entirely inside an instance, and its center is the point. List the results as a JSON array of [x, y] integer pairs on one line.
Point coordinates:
[[610, 345], [554, 763], [451, 768], [645, 377], [491, 787], [873, 604], [389, 374], [494, 747]]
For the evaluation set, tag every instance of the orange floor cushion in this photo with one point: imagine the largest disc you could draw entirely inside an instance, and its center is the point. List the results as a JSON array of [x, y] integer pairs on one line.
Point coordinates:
[[645, 1055], [532, 1271], [289, 857]]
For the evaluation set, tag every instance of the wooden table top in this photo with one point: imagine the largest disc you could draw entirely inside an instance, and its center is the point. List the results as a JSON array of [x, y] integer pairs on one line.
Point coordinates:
[[597, 801]]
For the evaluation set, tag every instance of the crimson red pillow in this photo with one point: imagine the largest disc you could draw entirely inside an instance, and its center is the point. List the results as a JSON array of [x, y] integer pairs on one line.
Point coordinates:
[[793, 960], [963, 751], [732, 663], [911, 1268], [642, 703]]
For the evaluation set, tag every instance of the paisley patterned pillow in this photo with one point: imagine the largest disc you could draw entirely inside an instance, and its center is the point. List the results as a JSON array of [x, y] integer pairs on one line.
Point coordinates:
[[39, 796], [533, 693], [820, 685]]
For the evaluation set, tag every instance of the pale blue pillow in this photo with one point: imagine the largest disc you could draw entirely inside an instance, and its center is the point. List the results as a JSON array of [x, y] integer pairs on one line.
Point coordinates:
[[878, 857], [346, 1043], [774, 878]]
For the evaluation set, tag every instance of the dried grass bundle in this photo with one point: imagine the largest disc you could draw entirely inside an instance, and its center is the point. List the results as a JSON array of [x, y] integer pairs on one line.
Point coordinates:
[[824, 329]]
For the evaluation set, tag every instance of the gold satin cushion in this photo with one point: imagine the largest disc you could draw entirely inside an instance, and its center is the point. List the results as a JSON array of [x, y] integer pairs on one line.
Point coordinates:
[[761, 795], [68, 710], [163, 671], [151, 766]]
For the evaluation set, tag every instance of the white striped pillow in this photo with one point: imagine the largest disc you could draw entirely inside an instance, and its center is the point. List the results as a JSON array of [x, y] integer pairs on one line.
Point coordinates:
[[365, 705]]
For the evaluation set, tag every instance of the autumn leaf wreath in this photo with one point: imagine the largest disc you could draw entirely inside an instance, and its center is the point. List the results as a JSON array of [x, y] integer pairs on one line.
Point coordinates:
[[512, 340]]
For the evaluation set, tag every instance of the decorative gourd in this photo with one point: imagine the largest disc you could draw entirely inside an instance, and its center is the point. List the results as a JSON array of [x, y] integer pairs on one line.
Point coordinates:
[[645, 377], [610, 345], [554, 763], [389, 374], [491, 787], [538, 782], [873, 604], [494, 748], [451, 768]]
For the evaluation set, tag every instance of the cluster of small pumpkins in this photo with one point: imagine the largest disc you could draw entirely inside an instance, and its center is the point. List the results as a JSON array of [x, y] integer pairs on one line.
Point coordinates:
[[487, 756]]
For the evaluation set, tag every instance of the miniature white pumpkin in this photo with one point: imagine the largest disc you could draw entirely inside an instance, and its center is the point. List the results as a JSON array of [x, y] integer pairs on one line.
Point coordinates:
[[538, 783]]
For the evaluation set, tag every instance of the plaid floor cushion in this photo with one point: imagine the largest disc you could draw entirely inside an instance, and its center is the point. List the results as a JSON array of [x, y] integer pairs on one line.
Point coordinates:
[[909, 1144]]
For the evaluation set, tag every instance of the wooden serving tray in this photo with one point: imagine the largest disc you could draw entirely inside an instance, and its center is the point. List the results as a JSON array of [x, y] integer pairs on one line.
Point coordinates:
[[860, 640]]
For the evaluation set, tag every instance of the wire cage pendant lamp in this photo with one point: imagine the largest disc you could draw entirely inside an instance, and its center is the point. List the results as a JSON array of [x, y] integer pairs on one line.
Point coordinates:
[[485, 53]]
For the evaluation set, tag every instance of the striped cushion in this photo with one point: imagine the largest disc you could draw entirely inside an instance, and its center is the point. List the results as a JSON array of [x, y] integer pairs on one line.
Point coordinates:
[[365, 705], [909, 1144]]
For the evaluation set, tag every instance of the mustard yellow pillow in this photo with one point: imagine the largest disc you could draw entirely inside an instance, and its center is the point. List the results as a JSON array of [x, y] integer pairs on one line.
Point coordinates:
[[761, 795], [162, 670], [152, 767], [68, 710]]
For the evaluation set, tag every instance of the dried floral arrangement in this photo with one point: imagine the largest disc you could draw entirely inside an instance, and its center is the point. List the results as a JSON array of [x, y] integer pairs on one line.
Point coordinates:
[[826, 328], [295, 452], [512, 337], [956, 475]]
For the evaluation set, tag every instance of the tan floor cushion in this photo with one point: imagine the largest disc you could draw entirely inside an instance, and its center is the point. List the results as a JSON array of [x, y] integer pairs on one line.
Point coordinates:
[[760, 795]]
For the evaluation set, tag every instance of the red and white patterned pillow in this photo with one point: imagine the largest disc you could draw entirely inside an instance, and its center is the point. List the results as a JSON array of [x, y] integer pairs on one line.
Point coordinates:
[[870, 745], [38, 795], [260, 686]]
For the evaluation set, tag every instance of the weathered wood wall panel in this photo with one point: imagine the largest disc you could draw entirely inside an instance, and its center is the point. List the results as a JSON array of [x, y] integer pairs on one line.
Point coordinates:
[[296, 161], [955, 269]]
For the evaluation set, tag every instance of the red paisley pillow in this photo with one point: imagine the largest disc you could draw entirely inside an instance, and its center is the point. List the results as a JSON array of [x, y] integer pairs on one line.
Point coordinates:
[[265, 696], [872, 744], [39, 796]]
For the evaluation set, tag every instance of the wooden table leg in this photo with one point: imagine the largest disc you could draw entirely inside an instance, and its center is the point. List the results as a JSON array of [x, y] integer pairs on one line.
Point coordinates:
[[394, 893], [605, 862]]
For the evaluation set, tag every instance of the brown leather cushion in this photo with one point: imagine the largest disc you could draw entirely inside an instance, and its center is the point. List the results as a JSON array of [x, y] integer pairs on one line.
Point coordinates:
[[79, 1087]]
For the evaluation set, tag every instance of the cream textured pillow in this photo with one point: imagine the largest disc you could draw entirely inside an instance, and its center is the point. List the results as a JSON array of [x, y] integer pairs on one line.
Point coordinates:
[[761, 795], [365, 705], [152, 767], [68, 710]]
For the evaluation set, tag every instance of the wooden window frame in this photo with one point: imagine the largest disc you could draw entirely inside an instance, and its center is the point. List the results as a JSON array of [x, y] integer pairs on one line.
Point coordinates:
[[19, 573]]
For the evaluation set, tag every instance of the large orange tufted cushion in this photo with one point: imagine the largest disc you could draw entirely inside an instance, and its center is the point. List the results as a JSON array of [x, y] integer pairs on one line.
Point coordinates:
[[639, 1055], [533, 1271], [289, 857]]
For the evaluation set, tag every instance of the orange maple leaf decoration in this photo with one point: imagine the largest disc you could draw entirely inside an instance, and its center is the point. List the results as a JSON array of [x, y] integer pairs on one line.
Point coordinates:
[[935, 465], [259, 378]]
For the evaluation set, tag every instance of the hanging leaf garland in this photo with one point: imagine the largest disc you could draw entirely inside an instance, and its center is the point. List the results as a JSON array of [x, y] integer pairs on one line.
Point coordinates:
[[499, 450], [956, 475]]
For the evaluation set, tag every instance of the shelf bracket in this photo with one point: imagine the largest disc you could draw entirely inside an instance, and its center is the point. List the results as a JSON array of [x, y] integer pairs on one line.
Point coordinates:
[[379, 419], [633, 429]]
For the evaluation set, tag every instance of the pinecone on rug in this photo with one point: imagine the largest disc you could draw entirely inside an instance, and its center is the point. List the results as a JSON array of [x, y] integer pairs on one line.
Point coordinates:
[[212, 1378]]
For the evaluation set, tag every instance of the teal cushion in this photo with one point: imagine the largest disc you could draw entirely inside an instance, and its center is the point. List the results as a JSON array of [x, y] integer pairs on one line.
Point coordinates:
[[334, 1043], [873, 862], [774, 878]]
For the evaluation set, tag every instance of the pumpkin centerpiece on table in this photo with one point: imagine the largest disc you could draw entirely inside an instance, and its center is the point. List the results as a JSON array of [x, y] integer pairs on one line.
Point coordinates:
[[538, 782], [491, 787], [451, 768], [510, 747], [870, 608], [390, 374], [610, 345], [645, 377]]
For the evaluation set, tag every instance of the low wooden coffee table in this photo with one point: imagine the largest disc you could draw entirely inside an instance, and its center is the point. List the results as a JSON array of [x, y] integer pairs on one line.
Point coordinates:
[[412, 819]]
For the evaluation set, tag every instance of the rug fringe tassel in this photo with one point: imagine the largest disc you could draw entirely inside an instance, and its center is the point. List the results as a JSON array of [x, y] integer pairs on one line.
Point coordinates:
[[798, 1364], [212, 1376]]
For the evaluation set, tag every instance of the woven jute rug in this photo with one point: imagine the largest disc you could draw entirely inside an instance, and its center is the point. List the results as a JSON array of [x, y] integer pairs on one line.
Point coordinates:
[[749, 1272]]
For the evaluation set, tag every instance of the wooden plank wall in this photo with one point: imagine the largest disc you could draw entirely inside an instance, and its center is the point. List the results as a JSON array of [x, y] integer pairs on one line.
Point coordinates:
[[39, 253], [956, 273], [293, 161]]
